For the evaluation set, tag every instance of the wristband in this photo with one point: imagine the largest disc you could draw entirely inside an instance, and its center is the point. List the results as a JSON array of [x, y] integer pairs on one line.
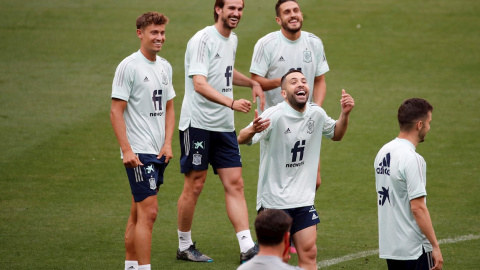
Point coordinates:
[[231, 106]]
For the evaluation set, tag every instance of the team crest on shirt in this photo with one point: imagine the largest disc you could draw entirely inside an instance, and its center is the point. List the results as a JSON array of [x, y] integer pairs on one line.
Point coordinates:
[[164, 78], [197, 159], [307, 56], [153, 185], [310, 126]]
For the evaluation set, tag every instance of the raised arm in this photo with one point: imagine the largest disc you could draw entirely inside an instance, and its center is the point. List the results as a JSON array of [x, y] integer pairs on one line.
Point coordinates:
[[259, 125], [347, 104]]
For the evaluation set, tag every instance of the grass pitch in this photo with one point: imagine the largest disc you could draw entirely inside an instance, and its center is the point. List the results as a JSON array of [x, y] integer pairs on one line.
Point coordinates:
[[63, 191]]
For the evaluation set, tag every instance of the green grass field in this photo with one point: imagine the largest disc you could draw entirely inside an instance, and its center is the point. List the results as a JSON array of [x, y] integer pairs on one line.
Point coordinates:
[[64, 195]]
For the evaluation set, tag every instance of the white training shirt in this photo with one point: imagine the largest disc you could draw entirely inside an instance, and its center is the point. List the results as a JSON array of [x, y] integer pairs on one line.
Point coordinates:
[[211, 55], [146, 87], [400, 176], [274, 55], [289, 160]]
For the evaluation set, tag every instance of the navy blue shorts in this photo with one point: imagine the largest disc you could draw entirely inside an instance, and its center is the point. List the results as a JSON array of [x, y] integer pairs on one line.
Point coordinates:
[[302, 217], [200, 147], [146, 180], [424, 262]]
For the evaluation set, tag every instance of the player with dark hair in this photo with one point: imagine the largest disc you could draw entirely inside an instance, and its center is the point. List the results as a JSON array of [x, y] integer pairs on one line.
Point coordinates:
[[292, 136], [207, 130], [272, 227], [406, 236], [143, 119]]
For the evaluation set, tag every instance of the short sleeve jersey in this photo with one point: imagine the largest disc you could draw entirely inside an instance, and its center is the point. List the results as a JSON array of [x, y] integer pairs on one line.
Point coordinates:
[[400, 176], [274, 55], [289, 160], [211, 55], [146, 87], [266, 263]]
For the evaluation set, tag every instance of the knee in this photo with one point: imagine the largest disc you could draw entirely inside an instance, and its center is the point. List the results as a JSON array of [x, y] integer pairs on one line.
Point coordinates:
[[311, 253]]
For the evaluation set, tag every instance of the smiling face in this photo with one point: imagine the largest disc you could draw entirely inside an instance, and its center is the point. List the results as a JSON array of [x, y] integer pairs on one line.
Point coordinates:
[[151, 38], [295, 90], [289, 17], [230, 14]]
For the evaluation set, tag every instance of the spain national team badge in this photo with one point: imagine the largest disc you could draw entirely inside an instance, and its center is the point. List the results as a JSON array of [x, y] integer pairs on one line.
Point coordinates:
[[307, 56], [310, 126], [197, 159], [164, 78], [153, 185]]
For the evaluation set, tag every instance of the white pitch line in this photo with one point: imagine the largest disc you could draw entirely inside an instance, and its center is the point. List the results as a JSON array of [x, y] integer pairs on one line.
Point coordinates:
[[367, 253]]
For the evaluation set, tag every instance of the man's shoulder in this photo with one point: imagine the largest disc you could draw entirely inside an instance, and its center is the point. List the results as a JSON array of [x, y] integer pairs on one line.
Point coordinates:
[[269, 38]]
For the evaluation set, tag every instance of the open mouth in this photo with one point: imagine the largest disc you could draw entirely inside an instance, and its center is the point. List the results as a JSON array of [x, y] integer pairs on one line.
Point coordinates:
[[301, 93]]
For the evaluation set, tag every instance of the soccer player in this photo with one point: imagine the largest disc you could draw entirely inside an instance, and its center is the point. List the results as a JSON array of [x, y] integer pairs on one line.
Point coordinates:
[[143, 120], [290, 48], [207, 130], [273, 234], [406, 236], [292, 135]]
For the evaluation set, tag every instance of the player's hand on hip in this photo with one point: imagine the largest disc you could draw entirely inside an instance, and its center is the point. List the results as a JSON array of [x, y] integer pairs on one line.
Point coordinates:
[[130, 160], [242, 105], [347, 102]]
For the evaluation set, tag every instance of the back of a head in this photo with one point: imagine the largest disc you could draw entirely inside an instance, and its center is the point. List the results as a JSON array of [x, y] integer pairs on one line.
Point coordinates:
[[412, 110], [271, 226]]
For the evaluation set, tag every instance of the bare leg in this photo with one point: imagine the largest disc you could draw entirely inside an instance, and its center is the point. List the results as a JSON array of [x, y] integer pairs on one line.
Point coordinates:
[[146, 215], [234, 197], [192, 187], [305, 243], [130, 254]]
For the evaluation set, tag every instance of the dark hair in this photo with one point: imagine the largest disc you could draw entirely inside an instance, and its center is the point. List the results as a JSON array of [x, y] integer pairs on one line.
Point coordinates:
[[271, 226], [282, 81], [279, 3], [149, 18], [220, 4], [411, 111]]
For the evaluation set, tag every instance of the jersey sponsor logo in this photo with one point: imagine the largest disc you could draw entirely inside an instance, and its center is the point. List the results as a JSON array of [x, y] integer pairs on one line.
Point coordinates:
[[384, 166], [197, 145], [157, 99], [383, 196], [307, 56], [281, 59], [297, 152], [149, 169], [228, 74], [310, 126], [197, 159]]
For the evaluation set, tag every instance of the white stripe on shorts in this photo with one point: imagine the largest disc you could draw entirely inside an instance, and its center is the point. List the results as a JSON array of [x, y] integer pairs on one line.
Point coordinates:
[[186, 141]]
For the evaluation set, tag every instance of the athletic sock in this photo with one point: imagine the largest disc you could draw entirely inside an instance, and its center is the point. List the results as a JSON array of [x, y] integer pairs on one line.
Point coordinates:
[[144, 267], [245, 240], [184, 240], [131, 265]]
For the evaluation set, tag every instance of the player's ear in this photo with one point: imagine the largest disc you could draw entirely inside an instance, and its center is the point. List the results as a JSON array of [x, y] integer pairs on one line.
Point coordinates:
[[284, 93], [277, 19], [139, 33]]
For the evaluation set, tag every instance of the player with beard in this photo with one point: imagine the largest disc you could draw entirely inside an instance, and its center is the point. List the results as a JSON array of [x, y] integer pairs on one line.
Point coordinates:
[[207, 130], [290, 48], [405, 231], [291, 133]]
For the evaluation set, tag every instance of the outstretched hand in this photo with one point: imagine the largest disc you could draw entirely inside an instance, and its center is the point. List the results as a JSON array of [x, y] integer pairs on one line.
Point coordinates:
[[260, 124]]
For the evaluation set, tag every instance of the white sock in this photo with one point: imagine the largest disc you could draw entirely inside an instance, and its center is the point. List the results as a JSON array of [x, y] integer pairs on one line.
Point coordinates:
[[144, 267], [184, 240], [131, 265], [245, 240]]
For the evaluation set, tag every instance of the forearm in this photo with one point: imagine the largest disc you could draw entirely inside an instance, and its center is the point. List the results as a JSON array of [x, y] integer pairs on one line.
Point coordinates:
[[424, 222], [169, 122], [267, 84], [206, 90], [241, 80], [245, 135], [341, 126]]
